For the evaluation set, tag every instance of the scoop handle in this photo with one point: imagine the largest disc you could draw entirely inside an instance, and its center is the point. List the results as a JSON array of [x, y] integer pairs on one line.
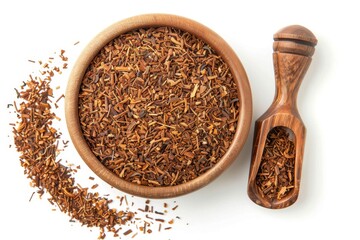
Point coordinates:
[[293, 47]]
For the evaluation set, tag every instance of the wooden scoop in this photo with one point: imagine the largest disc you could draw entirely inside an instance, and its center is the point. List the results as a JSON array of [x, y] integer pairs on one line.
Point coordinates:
[[293, 48]]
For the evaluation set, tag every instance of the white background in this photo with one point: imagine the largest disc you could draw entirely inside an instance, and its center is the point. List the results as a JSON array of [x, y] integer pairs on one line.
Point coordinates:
[[328, 101]]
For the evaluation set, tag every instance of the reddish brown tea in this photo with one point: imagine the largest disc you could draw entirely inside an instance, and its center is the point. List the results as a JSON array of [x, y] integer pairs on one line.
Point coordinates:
[[275, 178], [158, 106]]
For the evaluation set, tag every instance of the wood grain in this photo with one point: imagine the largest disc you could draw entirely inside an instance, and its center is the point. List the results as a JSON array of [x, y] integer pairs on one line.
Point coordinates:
[[153, 20], [293, 48]]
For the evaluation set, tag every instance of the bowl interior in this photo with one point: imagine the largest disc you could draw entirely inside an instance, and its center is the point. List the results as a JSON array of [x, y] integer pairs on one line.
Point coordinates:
[[157, 20]]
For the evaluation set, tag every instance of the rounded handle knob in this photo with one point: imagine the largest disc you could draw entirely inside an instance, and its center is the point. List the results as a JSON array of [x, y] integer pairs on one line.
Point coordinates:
[[295, 39]]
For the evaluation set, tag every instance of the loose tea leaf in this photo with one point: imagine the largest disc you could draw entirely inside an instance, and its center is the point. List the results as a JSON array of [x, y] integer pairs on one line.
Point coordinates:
[[275, 177], [158, 106], [37, 141]]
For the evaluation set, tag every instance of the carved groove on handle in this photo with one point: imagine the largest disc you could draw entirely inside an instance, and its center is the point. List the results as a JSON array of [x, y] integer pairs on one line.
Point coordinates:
[[295, 39]]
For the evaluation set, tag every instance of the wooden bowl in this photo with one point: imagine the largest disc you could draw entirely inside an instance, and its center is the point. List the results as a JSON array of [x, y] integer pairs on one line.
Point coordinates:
[[152, 20]]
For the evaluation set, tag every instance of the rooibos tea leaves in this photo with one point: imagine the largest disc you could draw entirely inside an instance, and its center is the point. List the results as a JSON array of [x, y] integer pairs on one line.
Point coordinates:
[[158, 106], [275, 177]]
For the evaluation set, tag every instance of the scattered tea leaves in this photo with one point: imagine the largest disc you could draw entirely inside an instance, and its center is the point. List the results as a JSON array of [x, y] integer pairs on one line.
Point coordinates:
[[37, 141]]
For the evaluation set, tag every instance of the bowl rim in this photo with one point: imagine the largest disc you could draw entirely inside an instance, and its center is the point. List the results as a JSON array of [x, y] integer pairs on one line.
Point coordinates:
[[157, 20]]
